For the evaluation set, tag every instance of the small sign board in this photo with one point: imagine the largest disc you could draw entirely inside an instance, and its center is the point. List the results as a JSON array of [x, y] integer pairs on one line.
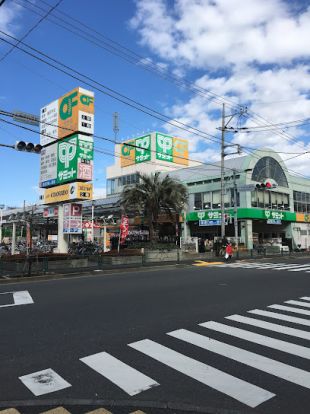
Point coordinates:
[[274, 221], [210, 222], [246, 187]]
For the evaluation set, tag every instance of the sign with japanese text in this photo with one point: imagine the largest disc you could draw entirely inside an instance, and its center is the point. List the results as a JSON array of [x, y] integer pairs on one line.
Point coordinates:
[[72, 113], [72, 219], [69, 159], [166, 148], [67, 192], [171, 149], [136, 151]]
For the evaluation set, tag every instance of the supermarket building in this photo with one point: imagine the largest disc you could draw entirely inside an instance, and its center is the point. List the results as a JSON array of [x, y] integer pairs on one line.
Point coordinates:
[[277, 216]]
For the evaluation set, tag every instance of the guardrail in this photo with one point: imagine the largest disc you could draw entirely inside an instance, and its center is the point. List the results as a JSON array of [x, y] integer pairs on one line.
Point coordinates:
[[57, 264]]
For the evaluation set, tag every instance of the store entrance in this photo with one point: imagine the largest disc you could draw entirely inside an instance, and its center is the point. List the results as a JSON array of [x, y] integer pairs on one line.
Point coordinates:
[[265, 235]]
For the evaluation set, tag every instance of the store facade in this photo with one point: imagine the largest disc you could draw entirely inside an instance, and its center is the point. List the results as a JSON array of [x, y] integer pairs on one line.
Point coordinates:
[[278, 216]]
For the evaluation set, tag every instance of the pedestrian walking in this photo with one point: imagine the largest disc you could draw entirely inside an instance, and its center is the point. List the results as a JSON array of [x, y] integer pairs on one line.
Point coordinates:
[[228, 252]]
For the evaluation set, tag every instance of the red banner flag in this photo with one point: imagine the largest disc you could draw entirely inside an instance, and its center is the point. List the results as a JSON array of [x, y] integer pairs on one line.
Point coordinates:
[[124, 228]]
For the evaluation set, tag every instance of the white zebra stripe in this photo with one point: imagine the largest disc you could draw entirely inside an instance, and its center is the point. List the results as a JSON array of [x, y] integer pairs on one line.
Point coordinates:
[[280, 316], [273, 343], [236, 388], [298, 333], [278, 369], [125, 377], [290, 309]]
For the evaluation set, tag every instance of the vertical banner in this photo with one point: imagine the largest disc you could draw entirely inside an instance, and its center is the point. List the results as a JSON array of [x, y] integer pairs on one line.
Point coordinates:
[[28, 237], [124, 227]]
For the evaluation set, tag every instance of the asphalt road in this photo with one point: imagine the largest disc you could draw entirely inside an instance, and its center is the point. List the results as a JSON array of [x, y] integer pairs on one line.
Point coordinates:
[[74, 318]]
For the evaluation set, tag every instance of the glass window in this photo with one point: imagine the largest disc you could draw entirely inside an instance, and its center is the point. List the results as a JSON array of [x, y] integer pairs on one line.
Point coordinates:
[[207, 200], [216, 199], [268, 167], [273, 199], [260, 199], [254, 199], [198, 201]]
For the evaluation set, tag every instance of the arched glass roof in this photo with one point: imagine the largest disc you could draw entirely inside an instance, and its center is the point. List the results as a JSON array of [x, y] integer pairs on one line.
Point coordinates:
[[268, 167]]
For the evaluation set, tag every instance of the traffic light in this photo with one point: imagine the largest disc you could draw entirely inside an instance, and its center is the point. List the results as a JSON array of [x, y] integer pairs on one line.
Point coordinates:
[[28, 147], [266, 185]]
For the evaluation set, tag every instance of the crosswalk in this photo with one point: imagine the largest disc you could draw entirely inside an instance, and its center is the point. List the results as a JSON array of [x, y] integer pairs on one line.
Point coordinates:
[[274, 328], [290, 267]]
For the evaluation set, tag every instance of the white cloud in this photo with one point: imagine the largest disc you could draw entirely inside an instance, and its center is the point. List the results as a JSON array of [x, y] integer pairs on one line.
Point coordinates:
[[253, 53], [8, 16], [207, 33]]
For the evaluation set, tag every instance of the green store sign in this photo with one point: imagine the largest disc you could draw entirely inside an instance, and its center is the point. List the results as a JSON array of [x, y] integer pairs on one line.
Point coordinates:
[[243, 213], [75, 159]]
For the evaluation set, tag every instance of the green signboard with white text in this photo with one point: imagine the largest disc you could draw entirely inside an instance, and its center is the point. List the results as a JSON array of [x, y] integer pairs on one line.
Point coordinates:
[[243, 213], [69, 159]]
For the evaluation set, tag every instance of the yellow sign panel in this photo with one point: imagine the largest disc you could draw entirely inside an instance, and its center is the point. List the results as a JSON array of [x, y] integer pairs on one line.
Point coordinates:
[[75, 112], [68, 192], [128, 153], [180, 151], [303, 218]]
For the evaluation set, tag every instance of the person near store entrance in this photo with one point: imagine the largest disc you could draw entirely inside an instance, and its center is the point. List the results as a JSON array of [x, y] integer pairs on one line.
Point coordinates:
[[228, 252]]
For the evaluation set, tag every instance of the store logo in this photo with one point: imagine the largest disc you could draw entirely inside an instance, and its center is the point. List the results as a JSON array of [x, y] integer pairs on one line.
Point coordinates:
[[165, 143], [66, 105], [201, 215], [86, 100], [127, 148], [143, 144], [67, 151], [267, 214]]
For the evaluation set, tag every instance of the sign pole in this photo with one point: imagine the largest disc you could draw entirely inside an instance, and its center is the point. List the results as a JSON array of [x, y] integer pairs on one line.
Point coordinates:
[[92, 222], [62, 242], [235, 211]]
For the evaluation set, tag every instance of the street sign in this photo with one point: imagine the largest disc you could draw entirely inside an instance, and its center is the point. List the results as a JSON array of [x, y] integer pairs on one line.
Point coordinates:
[[274, 221], [210, 222], [26, 118], [246, 187]]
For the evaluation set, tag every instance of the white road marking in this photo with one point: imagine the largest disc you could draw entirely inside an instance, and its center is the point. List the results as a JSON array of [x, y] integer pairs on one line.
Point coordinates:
[[287, 266], [290, 309], [242, 391], [305, 298], [286, 318], [20, 298], [300, 269], [44, 382], [273, 343], [278, 369], [298, 333], [298, 303], [125, 377]]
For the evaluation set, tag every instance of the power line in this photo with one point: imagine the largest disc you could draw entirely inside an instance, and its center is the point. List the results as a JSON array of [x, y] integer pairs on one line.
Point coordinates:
[[118, 49], [5, 113], [125, 53], [31, 29], [112, 93]]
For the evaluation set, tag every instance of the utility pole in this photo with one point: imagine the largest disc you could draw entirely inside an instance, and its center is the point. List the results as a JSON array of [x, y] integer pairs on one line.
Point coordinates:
[[224, 128], [235, 210], [222, 173], [115, 125]]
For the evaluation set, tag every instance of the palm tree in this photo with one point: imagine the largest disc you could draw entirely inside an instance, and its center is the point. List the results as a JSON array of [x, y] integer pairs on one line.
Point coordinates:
[[152, 195]]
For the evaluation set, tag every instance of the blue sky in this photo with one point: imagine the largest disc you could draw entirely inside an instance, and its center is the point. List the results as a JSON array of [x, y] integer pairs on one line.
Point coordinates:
[[255, 53]]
